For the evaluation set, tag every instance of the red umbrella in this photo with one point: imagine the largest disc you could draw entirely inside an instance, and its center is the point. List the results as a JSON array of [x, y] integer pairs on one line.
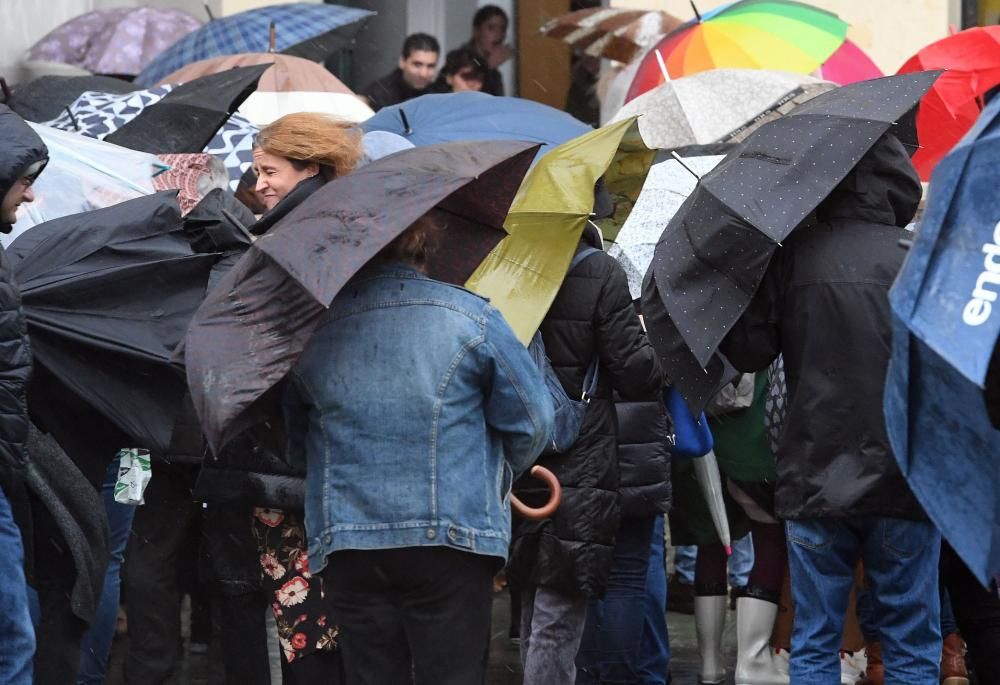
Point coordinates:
[[947, 112]]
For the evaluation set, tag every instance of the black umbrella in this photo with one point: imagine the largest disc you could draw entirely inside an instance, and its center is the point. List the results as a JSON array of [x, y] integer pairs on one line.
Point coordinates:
[[322, 47], [107, 295], [189, 116], [712, 256], [47, 97], [257, 320]]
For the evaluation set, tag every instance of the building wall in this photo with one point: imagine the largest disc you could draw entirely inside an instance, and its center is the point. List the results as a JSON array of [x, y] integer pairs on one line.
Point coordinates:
[[890, 31]]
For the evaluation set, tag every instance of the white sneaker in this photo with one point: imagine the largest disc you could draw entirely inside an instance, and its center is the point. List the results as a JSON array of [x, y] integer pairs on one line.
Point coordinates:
[[852, 667]]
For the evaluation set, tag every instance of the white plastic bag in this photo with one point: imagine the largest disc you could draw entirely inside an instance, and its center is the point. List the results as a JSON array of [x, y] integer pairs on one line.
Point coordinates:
[[134, 474]]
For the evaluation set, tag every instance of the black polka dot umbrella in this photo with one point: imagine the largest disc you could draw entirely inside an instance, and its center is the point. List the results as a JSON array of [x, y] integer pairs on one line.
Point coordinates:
[[712, 255]]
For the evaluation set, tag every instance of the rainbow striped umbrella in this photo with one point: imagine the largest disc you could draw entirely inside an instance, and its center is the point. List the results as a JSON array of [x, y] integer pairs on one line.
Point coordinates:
[[750, 34]]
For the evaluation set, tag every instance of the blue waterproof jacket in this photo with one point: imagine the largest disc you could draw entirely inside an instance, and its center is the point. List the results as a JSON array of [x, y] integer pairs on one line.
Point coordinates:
[[414, 407]]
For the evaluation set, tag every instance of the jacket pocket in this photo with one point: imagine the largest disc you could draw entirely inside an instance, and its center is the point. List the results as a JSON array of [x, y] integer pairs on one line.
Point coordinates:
[[810, 535]]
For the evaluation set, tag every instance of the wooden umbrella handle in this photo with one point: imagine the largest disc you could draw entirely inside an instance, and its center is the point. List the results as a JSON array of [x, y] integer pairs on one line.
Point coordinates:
[[555, 496]]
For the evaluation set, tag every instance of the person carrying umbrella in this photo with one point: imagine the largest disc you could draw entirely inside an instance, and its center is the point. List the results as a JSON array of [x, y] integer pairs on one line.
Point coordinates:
[[823, 305], [22, 158]]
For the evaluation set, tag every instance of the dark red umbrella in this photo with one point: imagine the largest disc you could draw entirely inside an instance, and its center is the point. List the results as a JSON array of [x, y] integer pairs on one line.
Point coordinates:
[[971, 59], [255, 323]]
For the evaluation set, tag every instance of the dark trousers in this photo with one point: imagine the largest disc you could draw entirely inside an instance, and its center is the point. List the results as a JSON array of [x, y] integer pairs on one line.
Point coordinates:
[[162, 526], [417, 614], [977, 611]]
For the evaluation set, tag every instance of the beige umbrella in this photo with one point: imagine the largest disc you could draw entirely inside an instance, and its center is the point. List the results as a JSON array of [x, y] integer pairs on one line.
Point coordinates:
[[618, 34], [288, 73]]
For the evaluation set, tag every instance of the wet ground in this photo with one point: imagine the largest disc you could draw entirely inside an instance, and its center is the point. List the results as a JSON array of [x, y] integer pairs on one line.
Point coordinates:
[[505, 669]]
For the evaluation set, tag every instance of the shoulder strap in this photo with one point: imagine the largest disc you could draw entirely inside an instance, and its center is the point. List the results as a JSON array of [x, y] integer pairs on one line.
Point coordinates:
[[581, 255]]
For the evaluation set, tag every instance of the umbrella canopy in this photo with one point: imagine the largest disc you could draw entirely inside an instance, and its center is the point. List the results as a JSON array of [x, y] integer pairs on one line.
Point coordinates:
[[83, 174], [249, 31], [612, 33], [667, 186], [324, 46], [971, 60], [47, 97], [261, 108], [476, 116], [286, 73], [717, 105], [712, 255], [944, 346], [99, 114], [257, 320], [188, 118], [107, 295], [849, 64], [749, 34], [523, 274], [116, 40]]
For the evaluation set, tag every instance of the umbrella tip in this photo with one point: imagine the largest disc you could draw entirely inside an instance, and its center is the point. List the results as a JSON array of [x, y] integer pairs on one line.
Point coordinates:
[[406, 122], [208, 10], [729, 551], [5, 88], [272, 38], [697, 14], [72, 118]]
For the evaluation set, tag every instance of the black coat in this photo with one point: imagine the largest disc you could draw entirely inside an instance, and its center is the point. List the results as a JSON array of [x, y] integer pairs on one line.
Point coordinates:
[[643, 457], [392, 89], [592, 314], [824, 305]]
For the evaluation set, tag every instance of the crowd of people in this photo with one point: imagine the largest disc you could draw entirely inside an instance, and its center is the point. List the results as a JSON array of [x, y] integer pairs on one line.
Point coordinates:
[[375, 523]]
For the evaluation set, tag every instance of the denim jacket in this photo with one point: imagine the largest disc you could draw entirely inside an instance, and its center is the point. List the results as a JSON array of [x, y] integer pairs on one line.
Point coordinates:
[[413, 406]]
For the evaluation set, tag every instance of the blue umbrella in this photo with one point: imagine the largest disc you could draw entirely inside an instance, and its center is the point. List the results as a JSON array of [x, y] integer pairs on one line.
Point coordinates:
[[946, 320], [450, 117], [250, 32]]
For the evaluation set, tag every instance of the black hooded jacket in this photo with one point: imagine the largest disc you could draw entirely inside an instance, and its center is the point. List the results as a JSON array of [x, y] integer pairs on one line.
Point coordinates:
[[20, 147], [824, 305], [592, 315]]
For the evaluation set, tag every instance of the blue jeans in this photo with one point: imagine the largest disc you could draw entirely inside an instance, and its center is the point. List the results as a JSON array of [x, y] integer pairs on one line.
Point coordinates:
[[741, 562], [625, 638], [901, 571], [96, 645], [684, 559], [17, 635]]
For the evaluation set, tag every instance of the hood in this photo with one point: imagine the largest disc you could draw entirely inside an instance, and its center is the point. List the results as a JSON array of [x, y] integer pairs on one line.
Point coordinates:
[[883, 188], [20, 148]]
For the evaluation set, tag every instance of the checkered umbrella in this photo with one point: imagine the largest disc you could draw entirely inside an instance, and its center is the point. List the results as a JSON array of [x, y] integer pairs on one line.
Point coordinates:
[[250, 32], [99, 114]]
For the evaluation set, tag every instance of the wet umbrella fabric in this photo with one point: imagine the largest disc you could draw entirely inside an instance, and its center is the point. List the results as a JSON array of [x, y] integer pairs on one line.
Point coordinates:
[[668, 184], [115, 40], [254, 324], [451, 117], [971, 60], [46, 97], [249, 31], [286, 73], [717, 105], [944, 348], [188, 118], [712, 256], [107, 295], [612, 33]]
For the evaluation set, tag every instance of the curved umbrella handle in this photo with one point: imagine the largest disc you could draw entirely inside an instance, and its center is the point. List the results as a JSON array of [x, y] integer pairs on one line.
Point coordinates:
[[555, 496]]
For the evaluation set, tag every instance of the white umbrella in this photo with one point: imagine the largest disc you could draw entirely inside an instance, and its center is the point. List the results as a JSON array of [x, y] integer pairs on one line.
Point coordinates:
[[261, 108], [718, 105], [667, 186], [706, 470]]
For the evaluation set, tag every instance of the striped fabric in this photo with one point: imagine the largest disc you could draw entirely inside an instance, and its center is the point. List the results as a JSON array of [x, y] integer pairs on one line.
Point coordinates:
[[250, 32], [617, 34]]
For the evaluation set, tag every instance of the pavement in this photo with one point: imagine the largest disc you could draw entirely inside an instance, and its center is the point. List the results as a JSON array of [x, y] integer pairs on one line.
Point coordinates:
[[505, 667]]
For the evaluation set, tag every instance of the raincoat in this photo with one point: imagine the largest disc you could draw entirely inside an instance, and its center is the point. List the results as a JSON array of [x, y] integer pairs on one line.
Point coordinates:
[[571, 552], [824, 305]]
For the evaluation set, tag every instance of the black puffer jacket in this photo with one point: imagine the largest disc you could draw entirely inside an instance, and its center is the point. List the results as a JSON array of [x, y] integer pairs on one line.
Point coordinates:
[[643, 457], [824, 305], [20, 147], [592, 314]]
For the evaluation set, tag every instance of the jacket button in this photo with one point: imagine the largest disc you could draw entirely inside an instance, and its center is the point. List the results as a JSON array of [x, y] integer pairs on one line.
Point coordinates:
[[452, 535], [431, 534], [328, 539]]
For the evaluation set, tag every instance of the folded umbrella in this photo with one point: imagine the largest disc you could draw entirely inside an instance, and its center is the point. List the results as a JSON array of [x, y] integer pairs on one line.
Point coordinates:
[[107, 295], [189, 117], [257, 320], [712, 255], [748, 34], [971, 60], [115, 40], [523, 274], [250, 31], [46, 97], [717, 105], [450, 117], [609, 32], [944, 352]]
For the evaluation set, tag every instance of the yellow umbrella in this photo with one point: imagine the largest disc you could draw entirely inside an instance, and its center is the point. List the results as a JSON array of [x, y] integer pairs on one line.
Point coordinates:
[[522, 274]]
